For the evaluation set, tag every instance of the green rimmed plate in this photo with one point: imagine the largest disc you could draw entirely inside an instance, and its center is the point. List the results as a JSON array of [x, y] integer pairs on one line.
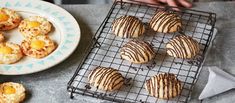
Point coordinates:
[[66, 33]]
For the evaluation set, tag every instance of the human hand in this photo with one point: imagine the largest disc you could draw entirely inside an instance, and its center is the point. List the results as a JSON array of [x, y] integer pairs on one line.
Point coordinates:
[[175, 3]]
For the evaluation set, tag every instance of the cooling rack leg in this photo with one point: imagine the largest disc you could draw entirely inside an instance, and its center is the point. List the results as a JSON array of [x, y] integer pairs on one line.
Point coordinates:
[[71, 94], [121, 3], [97, 43]]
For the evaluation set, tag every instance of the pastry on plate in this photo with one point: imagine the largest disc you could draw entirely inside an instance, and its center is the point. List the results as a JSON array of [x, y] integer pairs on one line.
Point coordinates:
[[38, 47], [105, 78], [128, 27], [12, 92], [34, 25], [183, 46], [9, 19], [10, 53], [165, 22], [137, 51], [2, 38], [164, 86]]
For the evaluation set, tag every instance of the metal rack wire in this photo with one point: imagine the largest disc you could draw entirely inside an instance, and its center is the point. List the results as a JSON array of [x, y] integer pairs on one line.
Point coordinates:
[[104, 51]]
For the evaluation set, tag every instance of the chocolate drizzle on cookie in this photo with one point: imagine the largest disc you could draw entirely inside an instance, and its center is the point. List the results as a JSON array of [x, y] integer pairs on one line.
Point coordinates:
[[165, 22], [183, 47], [128, 27], [106, 78], [137, 51], [163, 86]]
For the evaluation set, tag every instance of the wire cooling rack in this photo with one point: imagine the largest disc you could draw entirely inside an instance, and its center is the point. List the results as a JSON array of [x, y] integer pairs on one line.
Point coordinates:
[[104, 51]]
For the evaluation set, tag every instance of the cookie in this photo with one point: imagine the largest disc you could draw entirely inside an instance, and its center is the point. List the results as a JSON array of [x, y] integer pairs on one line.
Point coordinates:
[[164, 86], [183, 47], [165, 22], [34, 25], [10, 53], [107, 79], [38, 46], [128, 27], [12, 92], [137, 51], [9, 19], [2, 38]]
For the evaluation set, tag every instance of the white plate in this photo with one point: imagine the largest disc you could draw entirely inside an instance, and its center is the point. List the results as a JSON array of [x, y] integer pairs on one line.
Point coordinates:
[[66, 34]]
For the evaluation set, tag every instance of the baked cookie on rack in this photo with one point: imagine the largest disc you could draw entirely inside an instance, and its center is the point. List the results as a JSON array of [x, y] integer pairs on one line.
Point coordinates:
[[183, 46], [128, 27], [10, 53], [12, 92], [34, 25], [2, 38], [164, 86], [38, 47], [137, 51], [165, 22], [105, 78], [9, 19]]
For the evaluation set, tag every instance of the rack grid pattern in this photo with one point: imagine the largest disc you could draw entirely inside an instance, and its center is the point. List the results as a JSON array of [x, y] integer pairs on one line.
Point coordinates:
[[104, 51]]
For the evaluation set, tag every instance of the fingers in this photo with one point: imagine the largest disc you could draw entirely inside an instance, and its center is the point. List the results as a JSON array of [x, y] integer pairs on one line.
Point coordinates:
[[144, 1], [172, 3], [185, 3], [163, 1], [149, 1]]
